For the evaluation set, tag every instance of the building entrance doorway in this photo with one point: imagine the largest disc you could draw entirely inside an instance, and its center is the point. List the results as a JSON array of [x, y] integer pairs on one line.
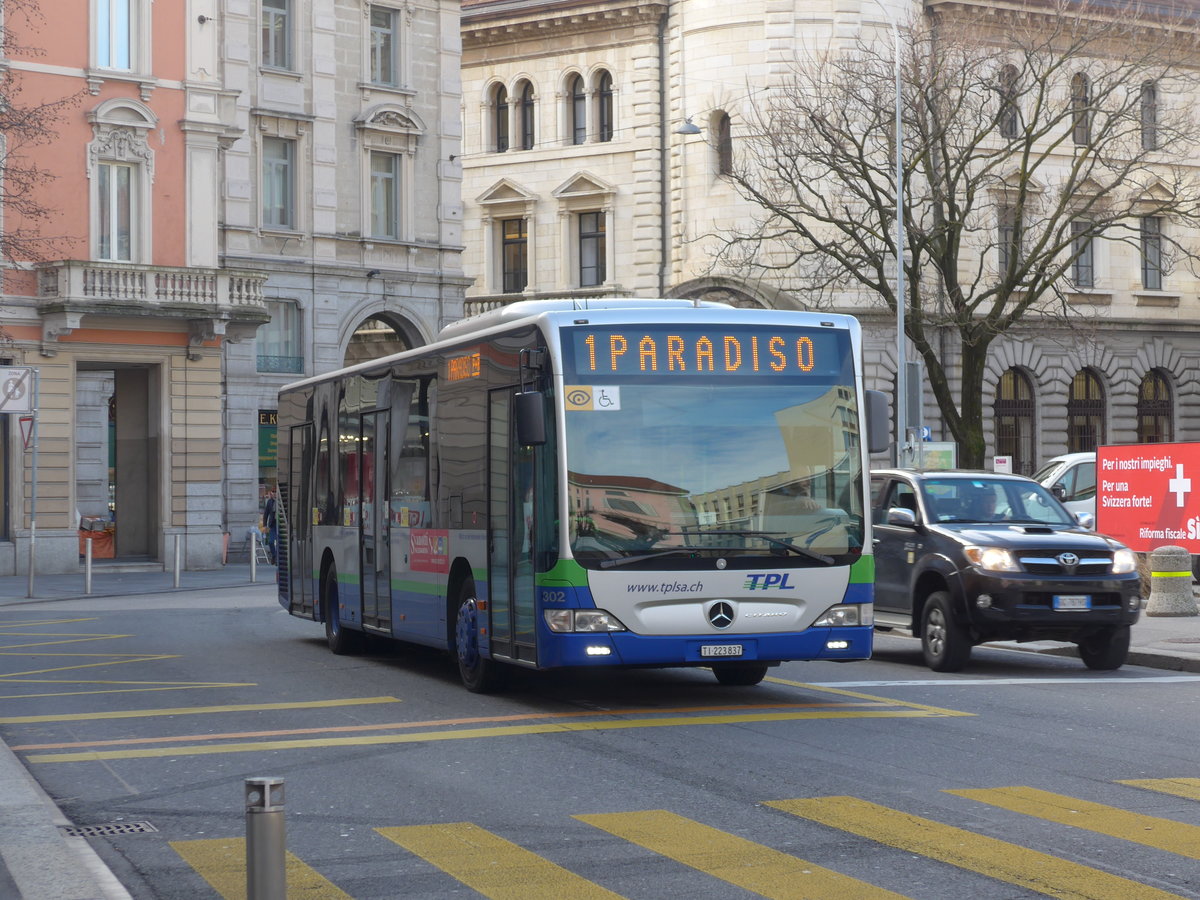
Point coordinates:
[[117, 459]]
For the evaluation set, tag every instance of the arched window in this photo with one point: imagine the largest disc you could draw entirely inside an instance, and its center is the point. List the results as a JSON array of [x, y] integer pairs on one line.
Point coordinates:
[[1081, 114], [578, 110], [1155, 420], [1009, 120], [1149, 115], [1014, 420], [1085, 413], [528, 135], [604, 92], [724, 144], [500, 118]]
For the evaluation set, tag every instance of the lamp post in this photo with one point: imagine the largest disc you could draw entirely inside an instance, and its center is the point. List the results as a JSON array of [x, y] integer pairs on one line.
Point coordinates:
[[901, 361]]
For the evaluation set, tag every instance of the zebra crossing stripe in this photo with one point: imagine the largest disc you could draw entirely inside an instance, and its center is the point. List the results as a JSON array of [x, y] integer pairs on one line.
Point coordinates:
[[735, 860], [1188, 788], [491, 865], [1161, 834], [222, 863], [988, 856]]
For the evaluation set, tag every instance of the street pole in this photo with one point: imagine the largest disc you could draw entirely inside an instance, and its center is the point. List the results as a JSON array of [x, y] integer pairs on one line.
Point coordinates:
[[901, 361], [33, 480]]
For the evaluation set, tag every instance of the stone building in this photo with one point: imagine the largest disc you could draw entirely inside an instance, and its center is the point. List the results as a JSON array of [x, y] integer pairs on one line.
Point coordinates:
[[597, 136]]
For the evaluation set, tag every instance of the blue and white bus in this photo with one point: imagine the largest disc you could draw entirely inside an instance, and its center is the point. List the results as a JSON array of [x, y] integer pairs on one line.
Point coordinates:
[[563, 483]]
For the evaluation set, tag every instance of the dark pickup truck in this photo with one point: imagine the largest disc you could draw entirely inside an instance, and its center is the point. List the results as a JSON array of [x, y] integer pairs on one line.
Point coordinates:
[[966, 557]]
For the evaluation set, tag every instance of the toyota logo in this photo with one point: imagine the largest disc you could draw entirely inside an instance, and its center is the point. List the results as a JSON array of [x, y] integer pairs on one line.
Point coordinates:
[[720, 615], [1068, 560]]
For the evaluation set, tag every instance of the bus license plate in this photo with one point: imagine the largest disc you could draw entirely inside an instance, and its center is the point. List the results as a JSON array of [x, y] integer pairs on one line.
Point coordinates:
[[720, 649], [1072, 601]]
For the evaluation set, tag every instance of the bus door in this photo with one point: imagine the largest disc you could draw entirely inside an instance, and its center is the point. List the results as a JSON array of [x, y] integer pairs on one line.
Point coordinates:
[[375, 540], [511, 529], [297, 509]]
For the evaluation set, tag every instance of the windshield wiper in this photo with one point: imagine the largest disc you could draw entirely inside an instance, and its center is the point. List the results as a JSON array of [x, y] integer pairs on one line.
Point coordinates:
[[778, 542], [626, 560]]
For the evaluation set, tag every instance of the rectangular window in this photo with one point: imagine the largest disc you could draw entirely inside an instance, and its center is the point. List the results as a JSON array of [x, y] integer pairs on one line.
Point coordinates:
[[516, 255], [278, 188], [1083, 270], [591, 249], [384, 44], [1152, 253], [115, 212], [1008, 240], [385, 195], [114, 34], [278, 342], [277, 34]]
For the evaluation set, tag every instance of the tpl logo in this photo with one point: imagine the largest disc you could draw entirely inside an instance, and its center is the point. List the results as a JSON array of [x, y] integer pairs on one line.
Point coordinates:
[[765, 581]]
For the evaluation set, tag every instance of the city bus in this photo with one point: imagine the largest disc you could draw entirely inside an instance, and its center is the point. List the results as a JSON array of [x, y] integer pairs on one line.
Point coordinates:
[[557, 484]]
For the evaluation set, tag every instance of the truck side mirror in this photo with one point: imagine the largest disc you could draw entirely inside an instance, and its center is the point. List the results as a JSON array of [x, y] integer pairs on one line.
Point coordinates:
[[531, 418], [878, 433]]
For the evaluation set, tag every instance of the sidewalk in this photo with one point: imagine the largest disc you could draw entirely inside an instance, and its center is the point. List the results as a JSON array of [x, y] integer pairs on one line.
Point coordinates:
[[39, 861]]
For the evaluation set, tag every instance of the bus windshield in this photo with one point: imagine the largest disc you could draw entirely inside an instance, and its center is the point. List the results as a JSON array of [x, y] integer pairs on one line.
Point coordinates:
[[660, 474]]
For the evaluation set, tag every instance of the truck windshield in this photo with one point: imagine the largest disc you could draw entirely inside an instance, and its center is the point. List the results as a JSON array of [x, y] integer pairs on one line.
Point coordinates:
[[663, 474]]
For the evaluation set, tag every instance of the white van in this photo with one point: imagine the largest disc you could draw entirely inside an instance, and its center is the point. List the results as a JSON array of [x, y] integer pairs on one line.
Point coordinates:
[[1072, 479]]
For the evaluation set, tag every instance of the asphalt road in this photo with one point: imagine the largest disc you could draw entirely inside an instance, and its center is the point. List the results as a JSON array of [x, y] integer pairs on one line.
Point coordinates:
[[1022, 776]]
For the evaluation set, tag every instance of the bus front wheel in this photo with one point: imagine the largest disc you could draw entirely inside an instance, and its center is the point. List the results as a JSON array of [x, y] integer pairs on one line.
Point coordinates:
[[739, 674], [340, 640], [479, 675]]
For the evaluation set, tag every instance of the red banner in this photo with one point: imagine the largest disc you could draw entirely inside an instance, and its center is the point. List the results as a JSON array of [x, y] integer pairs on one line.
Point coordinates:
[[1148, 495], [428, 551]]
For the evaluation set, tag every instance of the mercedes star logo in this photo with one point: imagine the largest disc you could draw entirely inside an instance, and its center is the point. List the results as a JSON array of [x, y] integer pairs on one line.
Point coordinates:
[[1068, 560], [720, 614]]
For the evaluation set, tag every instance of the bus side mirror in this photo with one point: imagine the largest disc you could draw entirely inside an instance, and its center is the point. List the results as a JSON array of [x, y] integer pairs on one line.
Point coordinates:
[[531, 418], [878, 433]]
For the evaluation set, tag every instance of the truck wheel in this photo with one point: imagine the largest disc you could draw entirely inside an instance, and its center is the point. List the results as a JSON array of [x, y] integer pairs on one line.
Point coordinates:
[[739, 674], [945, 643], [340, 640], [1107, 649], [479, 675]]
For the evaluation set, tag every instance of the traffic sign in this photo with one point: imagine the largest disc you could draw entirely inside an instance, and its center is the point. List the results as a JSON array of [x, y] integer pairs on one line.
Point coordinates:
[[16, 389]]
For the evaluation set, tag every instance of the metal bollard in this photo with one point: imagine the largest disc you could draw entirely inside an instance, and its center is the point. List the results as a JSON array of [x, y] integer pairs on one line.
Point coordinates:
[[266, 877], [1171, 583], [253, 559], [87, 567], [176, 562]]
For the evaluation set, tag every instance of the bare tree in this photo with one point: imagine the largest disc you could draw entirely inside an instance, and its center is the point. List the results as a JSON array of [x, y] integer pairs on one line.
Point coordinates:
[[1031, 132], [25, 125]]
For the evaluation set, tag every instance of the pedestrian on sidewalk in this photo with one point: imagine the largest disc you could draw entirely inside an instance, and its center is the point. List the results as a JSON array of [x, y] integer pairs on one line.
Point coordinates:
[[271, 523]]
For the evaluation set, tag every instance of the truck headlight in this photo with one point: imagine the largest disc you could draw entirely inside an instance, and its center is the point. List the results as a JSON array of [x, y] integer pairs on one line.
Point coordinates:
[[993, 559], [1124, 561], [847, 614]]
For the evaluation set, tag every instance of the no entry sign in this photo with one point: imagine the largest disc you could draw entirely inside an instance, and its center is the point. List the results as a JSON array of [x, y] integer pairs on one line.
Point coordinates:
[[1148, 495]]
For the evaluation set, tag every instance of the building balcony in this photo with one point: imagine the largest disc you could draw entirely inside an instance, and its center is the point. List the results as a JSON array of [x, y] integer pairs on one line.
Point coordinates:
[[225, 303]]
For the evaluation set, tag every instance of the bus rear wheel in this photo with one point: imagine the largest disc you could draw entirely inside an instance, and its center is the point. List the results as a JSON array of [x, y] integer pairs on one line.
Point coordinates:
[[340, 640], [740, 674], [479, 675]]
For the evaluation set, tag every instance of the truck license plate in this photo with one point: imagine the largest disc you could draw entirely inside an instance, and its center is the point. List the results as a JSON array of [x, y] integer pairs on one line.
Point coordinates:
[[1072, 601], [720, 649]]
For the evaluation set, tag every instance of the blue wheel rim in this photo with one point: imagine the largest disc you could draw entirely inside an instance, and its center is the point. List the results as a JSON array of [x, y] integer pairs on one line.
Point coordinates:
[[464, 635]]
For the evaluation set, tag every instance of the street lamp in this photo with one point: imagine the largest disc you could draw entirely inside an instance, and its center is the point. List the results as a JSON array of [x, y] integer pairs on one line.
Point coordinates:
[[901, 361]]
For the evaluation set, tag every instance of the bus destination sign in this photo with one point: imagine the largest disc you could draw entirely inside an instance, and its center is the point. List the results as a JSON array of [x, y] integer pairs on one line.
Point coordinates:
[[698, 350]]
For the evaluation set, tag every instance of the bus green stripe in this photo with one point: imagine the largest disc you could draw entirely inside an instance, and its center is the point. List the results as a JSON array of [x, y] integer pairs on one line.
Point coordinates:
[[863, 571]]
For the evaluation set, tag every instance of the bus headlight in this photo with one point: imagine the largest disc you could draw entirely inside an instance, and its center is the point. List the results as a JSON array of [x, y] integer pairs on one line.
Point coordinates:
[[848, 614], [586, 620]]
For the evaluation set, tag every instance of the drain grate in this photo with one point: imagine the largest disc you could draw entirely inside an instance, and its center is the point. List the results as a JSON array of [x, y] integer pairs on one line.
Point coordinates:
[[110, 828]]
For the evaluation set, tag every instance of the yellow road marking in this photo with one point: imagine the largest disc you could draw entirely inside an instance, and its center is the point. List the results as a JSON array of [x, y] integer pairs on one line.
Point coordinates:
[[40, 623], [109, 659], [465, 734], [136, 687], [977, 853], [1188, 788], [192, 710], [427, 723], [66, 638], [1162, 834], [933, 710], [222, 863], [491, 865], [735, 860]]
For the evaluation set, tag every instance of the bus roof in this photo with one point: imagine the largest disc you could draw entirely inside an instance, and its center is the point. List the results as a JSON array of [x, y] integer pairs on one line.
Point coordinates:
[[522, 309]]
